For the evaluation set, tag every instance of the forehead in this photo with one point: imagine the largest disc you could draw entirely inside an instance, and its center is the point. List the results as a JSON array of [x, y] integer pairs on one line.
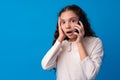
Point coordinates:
[[68, 14]]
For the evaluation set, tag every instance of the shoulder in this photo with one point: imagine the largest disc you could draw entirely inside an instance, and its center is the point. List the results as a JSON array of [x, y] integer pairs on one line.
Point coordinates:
[[93, 45], [92, 40]]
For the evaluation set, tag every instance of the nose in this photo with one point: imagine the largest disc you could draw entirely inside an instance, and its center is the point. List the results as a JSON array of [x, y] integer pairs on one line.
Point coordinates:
[[68, 25]]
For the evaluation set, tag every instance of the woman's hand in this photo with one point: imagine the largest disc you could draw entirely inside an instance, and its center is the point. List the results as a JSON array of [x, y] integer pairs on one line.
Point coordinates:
[[81, 31], [61, 33]]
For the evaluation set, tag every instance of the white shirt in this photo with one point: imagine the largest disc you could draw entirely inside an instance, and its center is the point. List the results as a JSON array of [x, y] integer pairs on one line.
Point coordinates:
[[65, 57]]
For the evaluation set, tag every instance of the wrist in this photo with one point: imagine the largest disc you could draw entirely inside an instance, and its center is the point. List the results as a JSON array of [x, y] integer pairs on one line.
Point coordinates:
[[60, 39], [80, 42]]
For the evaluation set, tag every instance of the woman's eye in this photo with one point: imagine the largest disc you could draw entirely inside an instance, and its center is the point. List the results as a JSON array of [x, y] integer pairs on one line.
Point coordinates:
[[62, 22], [73, 21]]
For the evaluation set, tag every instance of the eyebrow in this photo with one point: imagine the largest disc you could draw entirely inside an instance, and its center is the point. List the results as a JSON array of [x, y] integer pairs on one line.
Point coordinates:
[[69, 18]]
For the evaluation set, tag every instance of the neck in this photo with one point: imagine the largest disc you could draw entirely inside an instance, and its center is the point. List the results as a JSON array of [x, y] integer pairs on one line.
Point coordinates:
[[72, 40]]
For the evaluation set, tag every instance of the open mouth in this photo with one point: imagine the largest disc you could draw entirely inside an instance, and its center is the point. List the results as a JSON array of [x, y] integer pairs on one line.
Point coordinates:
[[69, 32]]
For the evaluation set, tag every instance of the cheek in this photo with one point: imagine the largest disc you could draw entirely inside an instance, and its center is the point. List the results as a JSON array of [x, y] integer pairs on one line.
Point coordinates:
[[73, 25], [63, 28]]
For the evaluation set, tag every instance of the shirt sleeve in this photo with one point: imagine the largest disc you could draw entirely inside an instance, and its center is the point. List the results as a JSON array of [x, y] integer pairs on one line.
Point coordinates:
[[49, 60], [91, 64]]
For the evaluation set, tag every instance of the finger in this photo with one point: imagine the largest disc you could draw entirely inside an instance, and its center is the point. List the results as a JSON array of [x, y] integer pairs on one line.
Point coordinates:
[[77, 25], [79, 29], [81, 32], [59, 26], [76, 33], [81, 24], [82, 27], [58, 22]]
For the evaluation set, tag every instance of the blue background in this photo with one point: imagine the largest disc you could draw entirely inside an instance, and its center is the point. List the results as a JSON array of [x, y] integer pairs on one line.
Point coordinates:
[[26, 33]]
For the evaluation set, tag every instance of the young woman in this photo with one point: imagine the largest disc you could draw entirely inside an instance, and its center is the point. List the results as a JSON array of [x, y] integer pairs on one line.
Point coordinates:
[[76, 52]]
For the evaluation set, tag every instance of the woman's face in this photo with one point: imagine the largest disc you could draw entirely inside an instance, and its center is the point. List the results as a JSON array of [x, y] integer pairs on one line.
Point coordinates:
[[68, 20]]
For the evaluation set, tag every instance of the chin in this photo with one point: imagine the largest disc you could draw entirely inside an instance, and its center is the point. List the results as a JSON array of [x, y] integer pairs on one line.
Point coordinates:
[[72, 37]]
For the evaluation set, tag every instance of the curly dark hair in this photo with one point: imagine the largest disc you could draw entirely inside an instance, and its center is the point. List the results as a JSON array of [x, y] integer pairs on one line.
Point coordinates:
[[82, 16]]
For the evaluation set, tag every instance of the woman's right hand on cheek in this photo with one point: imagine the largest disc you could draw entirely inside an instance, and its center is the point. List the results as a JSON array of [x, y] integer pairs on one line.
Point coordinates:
[[61, 33]]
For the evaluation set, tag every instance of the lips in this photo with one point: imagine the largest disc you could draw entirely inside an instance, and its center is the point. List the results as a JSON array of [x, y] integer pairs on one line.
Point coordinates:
[[69, 32]]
